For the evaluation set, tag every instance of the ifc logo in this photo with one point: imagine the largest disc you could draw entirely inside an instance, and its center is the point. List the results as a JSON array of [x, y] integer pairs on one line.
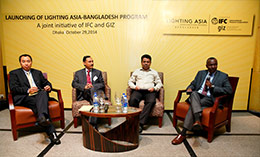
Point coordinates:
[[214, 21]]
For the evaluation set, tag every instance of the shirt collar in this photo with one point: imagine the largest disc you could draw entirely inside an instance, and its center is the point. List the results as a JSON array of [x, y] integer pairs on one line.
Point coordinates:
[[26, 71], [141, 69], [86, 69], [212, 75]]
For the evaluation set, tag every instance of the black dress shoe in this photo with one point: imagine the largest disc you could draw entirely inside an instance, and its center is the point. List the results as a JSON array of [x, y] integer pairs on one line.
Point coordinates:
[[197, 126], [141, 127], [43, 121], [54, 138]]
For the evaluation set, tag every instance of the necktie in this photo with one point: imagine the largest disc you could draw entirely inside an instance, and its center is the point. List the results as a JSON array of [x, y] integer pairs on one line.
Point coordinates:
[[205, 89], [88, 78], [204, 92], [30, 82], [29, 79]]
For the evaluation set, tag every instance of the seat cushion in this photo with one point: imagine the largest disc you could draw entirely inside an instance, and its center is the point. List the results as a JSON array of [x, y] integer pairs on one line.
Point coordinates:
[[221, 116], [25, 115], [183, 107], [54, 109], [76, 106], [157, 110]]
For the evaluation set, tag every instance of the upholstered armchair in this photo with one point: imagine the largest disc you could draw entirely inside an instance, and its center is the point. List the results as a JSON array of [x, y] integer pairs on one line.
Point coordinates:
[[158, 108], [76, 105], [22, 117], [212, 117]]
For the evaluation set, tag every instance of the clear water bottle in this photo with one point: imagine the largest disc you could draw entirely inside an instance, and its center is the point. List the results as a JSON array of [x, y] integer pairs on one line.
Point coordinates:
[[95, 103], [124, 103]]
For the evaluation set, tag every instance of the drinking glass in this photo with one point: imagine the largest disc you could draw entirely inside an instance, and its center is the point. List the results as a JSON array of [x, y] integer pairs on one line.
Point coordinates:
[[101, 99], [117, 100]]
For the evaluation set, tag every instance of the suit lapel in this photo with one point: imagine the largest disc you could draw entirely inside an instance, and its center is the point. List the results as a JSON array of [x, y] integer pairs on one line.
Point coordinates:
[[93, 75], [35, 78], [84, 76], [203, 78], [215, 77], [24, 78]]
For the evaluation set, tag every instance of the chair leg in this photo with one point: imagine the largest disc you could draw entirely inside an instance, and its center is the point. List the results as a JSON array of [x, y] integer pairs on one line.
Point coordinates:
[[228, 128], [160, 119], [62, 123], [14, 132], [75, 121], [109, 121], [13, 124], [210, 135], [174, 121]]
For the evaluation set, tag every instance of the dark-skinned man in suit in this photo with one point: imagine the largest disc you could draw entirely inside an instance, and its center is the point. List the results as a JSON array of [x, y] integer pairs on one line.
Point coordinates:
[[207, 85]]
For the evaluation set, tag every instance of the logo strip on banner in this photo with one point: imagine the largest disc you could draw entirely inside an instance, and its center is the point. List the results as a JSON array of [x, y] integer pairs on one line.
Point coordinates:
[[211, 25]]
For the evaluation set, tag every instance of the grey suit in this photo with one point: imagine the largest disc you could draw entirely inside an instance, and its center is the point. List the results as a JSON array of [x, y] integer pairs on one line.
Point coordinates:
[[198, 101], [80, 80]]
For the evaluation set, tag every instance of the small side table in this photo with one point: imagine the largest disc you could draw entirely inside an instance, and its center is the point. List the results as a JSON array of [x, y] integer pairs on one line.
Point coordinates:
[[127, 131]]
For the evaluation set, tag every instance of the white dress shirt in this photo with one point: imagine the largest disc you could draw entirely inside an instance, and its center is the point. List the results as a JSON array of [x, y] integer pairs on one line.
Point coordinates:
[[145, 79], [203, 84]]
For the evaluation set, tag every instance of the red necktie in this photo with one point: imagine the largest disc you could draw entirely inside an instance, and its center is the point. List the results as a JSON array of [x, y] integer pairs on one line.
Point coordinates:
[[204, 92], [88, 78]]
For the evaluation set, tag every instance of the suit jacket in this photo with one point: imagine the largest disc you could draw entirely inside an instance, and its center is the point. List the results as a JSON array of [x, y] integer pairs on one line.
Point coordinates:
[[80, 80], [19, 83], [220, 81]]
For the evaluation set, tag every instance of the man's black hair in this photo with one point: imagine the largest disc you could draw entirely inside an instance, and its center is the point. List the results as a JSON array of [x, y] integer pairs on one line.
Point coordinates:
[[85, 57], [146, 56], [24, 55]]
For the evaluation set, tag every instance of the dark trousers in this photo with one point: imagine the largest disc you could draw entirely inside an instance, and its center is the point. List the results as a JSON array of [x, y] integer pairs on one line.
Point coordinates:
[[39, 105], [198, 103], [88, 95], [149, 102]]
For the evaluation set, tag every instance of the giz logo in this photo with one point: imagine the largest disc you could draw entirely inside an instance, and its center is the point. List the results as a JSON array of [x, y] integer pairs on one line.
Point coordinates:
[[221, 28]]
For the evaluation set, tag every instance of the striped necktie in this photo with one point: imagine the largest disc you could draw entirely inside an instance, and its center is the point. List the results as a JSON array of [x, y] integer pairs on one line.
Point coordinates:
[[29, 79]]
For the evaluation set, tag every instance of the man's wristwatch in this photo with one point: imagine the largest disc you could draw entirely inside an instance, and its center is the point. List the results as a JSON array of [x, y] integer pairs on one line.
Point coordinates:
[[212, 86]]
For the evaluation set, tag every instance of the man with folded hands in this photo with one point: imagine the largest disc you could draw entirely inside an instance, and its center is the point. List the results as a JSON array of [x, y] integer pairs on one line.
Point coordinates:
[[87, 81], [30, 89]]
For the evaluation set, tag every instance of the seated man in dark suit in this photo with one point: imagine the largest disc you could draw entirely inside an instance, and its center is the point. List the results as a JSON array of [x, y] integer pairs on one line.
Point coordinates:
[[30, 89], [87, 81], [145, 82], [207, 85]]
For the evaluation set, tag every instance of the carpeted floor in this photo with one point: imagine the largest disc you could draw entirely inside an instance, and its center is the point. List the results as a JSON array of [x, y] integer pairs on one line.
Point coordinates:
[[243, 140]]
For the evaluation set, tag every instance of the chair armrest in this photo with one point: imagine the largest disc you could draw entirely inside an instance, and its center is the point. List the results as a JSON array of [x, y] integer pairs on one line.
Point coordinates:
[[161, 95], [179, 94], [10, 101], [128, 92], [178, 98], [74, 97], [58, 91], [216, 103], [108, 92]]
